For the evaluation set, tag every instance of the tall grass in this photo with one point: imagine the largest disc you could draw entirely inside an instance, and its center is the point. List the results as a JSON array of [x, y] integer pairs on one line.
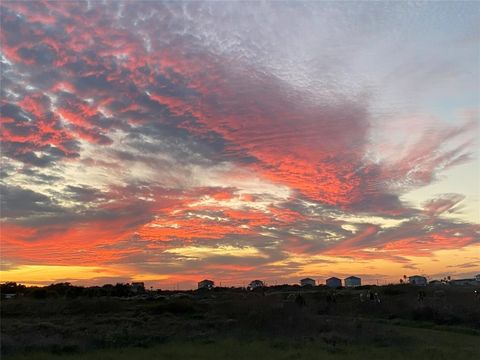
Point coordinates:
[[432, 346]]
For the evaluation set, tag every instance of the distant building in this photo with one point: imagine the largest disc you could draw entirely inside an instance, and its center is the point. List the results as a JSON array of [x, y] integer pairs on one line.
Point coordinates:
[[138, 287], [307, 282], [461, 282], [436, 283], [417, 280], [353, 281], [477, 277], [334, 282], [206, 284], [256, 284]]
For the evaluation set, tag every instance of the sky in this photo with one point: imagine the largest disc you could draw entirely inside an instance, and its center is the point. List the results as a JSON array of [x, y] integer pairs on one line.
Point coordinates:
[[168, 142]]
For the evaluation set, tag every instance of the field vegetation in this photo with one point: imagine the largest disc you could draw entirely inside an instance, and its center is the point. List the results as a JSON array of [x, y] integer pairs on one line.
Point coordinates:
[[283, 322]]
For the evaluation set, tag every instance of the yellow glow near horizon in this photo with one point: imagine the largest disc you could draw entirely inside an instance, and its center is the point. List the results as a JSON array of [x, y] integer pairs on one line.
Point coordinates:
[[441, 263], [205, 252], [450, 261], [48, 274]]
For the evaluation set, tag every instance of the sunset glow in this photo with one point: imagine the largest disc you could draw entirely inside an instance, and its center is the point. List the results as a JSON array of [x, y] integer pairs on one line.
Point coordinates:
[[169, 142]]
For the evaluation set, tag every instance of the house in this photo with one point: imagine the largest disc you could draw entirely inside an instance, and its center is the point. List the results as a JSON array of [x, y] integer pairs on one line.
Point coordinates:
[[353, 281], [334, 282], [436, 283], [138, 287], [256, 284], [477, 278], [417, 280], [206, 284], [307, 282]]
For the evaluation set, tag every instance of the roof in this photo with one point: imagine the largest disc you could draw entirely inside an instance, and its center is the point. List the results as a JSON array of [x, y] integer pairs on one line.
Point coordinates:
[[353, 277], [307, 279], [206, 280], [334, 278], [417, 276]]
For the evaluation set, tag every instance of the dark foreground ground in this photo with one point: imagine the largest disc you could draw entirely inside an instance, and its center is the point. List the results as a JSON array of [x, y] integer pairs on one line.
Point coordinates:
[[234, 324]]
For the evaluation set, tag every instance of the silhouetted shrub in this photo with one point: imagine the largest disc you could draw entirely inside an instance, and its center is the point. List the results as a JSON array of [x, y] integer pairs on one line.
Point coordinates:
[[177, 307], [392, 291], [11, 288], [39, 293], [88, 306]]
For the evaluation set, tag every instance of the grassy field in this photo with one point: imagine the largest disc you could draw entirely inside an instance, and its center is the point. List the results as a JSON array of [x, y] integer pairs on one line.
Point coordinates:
[[421, 344], [231, 324]]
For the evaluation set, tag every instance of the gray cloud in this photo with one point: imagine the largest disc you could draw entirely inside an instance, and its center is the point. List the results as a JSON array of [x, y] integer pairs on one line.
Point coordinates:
[[166, 93], [19, 203]]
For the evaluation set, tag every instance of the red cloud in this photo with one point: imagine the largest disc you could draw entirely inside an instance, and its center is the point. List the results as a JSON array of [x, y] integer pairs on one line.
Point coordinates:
[[87, 243], [441, 204], [409, 239], [313, 145]]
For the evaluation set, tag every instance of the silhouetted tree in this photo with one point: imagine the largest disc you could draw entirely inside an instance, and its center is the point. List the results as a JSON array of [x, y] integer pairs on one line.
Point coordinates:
[[121, 290], [11, 288]]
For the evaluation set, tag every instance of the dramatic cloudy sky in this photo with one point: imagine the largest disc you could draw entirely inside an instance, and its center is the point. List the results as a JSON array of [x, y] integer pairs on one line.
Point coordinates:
[[169, 142]]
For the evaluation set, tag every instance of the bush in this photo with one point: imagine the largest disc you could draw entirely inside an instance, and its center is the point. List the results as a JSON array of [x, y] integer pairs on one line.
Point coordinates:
[[425, 313], [393, 291], [39, 293], [89, 306], [178, 307]]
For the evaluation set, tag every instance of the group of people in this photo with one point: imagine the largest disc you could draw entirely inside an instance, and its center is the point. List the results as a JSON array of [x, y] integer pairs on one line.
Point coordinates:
[[370, 296], [365, 296], [421, 296]]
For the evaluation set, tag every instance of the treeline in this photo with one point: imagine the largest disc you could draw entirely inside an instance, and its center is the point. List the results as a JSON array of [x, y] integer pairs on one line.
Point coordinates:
[[66, 289]]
